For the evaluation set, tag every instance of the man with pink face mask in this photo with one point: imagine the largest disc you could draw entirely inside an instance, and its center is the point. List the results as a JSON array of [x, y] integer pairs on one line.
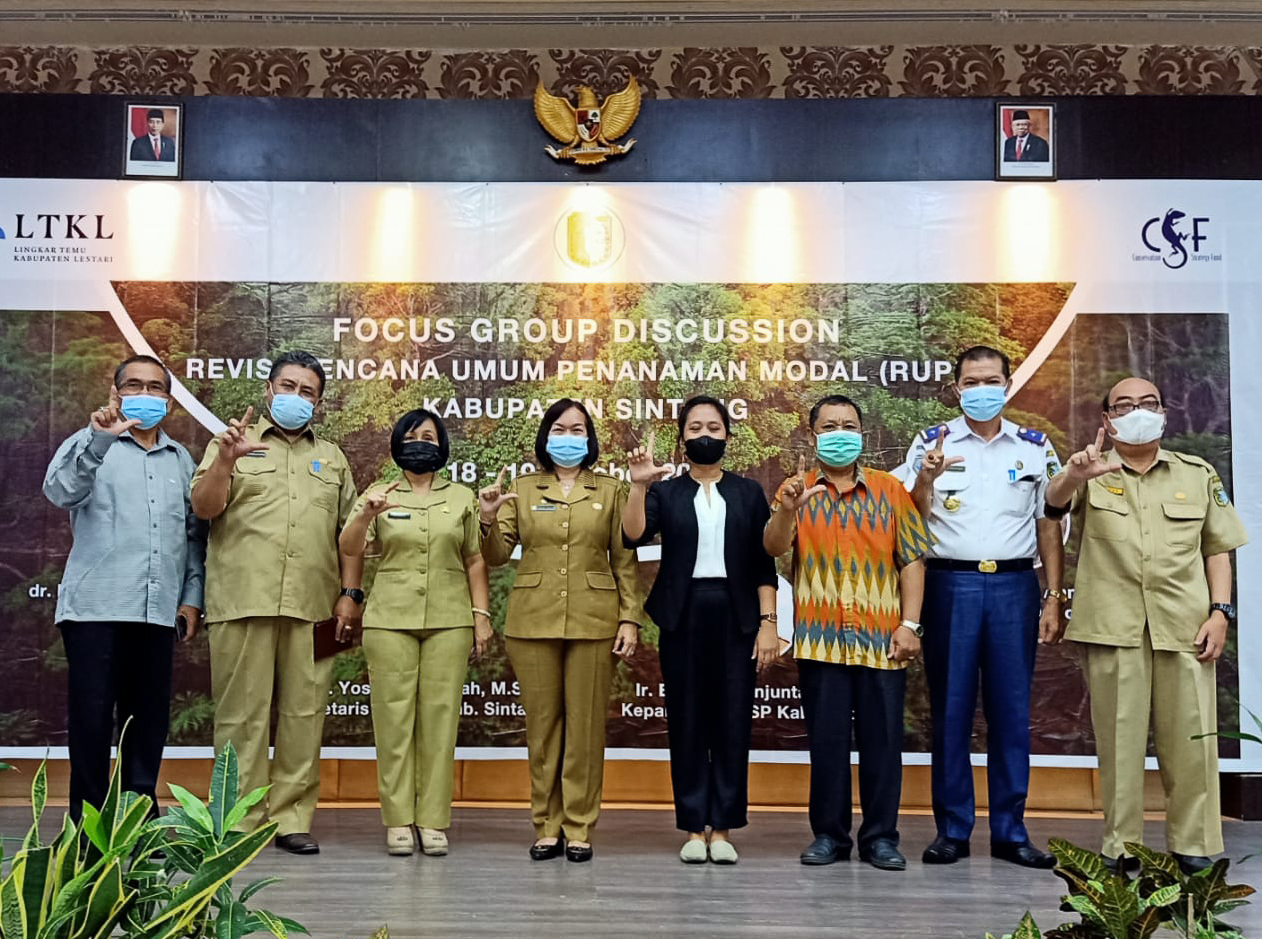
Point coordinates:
[[1151, 609]]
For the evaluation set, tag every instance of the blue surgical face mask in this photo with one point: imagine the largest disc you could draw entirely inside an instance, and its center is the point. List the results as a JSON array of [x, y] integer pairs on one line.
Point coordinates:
[[983, 402], [838, 448], [292, 412], [566, 449], [148, 409]]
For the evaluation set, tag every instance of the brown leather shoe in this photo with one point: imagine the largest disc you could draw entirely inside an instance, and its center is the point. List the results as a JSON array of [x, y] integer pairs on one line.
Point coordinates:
[[300, 842]]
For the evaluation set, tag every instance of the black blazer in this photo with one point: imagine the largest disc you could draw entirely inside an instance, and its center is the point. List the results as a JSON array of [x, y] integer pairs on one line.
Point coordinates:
[[1036, 150], [669, 510], [142, 149]]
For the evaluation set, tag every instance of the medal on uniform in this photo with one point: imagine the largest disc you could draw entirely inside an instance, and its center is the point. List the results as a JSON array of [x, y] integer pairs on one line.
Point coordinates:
[[951, 503]]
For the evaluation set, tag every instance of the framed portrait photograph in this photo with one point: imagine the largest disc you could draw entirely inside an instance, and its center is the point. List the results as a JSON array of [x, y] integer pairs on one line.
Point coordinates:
[[1025, 141], [153, 141]]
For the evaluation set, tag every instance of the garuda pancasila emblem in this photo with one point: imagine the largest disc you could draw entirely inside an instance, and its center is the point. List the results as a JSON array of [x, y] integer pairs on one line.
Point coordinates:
[[588, 129]]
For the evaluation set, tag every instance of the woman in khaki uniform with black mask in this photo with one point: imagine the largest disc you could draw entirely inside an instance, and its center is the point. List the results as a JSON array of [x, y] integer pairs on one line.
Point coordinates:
[[573, 607], [427, 609]]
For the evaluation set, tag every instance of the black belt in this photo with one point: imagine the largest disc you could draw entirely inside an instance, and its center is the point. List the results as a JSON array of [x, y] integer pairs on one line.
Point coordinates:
[[981, 567]]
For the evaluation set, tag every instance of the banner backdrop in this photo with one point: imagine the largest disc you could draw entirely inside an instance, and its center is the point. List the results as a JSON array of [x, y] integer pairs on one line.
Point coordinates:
[[486, 302]]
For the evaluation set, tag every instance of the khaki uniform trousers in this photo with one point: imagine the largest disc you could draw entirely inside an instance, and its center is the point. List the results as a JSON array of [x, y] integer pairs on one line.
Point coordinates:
[[252, 661], [1180, 693], [417, 678], [565, 690]]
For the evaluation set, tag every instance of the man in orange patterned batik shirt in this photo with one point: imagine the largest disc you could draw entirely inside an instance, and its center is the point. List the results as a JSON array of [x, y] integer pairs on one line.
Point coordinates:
[[858, 579]]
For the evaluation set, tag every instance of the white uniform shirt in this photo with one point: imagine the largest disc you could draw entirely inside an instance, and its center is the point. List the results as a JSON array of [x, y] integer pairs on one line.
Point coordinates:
[[711, 517], [996, 493]]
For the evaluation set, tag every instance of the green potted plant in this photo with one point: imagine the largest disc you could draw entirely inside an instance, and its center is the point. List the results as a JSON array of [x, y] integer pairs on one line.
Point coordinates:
[[124, 870]]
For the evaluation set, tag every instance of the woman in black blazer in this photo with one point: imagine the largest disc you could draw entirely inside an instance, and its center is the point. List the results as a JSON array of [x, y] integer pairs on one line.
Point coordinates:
[[714, 601]]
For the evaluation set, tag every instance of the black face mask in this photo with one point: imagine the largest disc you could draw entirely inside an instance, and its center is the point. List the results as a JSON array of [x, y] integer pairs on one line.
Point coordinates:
[[705, 451], [419, 456]]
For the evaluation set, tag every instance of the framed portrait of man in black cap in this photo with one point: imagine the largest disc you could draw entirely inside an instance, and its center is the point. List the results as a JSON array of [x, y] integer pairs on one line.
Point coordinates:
[[153, 144], [1025, 141]]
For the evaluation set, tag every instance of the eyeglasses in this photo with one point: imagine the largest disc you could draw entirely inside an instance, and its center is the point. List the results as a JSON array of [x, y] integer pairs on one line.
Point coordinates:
[[1122, 408], [137, 387]]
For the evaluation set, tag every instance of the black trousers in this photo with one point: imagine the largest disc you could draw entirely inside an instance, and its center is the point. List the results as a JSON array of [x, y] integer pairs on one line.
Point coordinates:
[[831, 694], [709, 677], [117, 671]]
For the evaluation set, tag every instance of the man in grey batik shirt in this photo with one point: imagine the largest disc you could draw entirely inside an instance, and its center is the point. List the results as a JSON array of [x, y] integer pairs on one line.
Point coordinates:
[[135, 571]]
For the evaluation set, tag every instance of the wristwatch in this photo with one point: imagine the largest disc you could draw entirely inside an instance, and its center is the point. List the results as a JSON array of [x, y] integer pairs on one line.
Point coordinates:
[[354, 593], [1226, 609], [1056, 594], [914, 627]]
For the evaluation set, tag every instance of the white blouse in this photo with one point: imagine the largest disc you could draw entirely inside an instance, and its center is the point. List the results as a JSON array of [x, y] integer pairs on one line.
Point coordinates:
[[711, 517]]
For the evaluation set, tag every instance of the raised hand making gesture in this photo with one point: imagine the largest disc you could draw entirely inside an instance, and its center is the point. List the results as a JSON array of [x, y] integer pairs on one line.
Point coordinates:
[[233, 442], [643, 471], [794, 494], [1090, 463], [492, 497], [109, 418], [377, 502], [935, 461]]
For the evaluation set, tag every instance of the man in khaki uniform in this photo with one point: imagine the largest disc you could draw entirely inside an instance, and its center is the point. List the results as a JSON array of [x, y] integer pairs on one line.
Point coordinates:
[[276, 496], [1151, 608]]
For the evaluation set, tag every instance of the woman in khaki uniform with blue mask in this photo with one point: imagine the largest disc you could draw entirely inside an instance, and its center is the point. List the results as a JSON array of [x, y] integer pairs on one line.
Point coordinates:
[[572, 609], [427, 609]]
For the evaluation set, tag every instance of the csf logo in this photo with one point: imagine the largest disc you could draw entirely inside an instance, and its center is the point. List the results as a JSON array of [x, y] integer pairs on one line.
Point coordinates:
[[1163, 235]]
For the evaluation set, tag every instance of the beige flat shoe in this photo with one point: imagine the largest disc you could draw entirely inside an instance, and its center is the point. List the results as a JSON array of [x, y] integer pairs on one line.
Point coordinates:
[[433, 842], [693, 851], [722, 852], [399, 841]]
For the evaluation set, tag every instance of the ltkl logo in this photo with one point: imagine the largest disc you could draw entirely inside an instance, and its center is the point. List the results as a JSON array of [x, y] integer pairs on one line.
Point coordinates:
[[68, 225], [1174, 253]]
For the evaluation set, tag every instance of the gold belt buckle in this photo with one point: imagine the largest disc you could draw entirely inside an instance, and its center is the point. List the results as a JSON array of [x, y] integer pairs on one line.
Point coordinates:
[[987, 567]]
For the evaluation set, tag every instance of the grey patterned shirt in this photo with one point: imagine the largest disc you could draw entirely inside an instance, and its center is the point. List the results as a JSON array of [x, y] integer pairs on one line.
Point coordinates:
[[139, 552]]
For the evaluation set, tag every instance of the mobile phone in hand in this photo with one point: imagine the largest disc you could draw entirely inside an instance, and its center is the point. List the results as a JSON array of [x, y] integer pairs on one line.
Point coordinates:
[[181, 628]]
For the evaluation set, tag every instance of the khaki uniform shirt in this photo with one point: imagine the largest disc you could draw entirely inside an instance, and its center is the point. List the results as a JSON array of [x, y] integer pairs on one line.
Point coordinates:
[[421, 581], [575, 580], [273, 549], [1142, 558]]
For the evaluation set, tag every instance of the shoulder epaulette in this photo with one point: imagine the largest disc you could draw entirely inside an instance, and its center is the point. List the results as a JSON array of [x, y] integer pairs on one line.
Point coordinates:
[[931, 433], [1192, 460], [1033, 436]]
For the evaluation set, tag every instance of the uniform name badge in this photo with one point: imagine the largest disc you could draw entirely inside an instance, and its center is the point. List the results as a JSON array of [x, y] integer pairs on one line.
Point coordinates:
[[543, 507]]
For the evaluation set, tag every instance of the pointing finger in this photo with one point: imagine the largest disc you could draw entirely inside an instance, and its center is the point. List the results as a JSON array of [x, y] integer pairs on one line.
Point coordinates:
[[942, 431], [499, 477], [115, 400], [952, 460], [650, 445], [392, 487], [1099, 439], [801, 464], [249, 413]]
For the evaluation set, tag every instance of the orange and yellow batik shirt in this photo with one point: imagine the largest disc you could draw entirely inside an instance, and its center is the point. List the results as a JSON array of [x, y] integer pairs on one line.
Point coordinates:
[[847, 552]]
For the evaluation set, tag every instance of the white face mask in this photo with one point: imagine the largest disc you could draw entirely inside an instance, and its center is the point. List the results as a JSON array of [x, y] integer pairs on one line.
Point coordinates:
[[1138, 427]]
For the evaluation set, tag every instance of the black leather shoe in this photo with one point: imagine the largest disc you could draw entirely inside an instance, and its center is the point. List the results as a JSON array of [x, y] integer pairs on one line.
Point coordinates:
[[298, 843], [1192, 863], [578, 853], [1118, 865], [825, 849], [884, 855], [1022, 853], [944, 850], [546, 852]]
